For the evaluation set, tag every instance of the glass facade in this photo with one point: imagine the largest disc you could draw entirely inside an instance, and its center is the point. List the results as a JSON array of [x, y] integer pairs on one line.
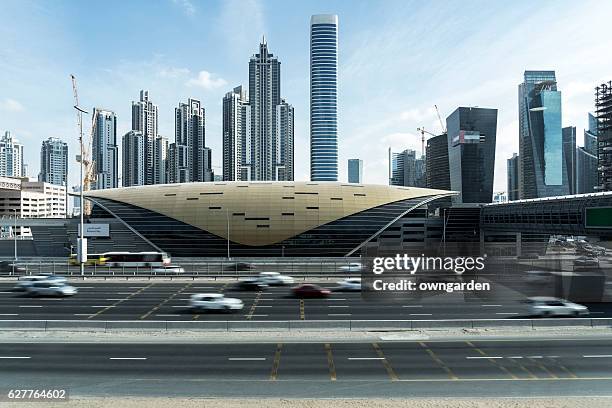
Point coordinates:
[[323, 98]]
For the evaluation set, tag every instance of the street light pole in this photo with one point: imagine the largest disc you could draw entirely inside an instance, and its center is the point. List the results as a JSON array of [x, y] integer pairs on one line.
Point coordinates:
[[15, 234], [228, 233]]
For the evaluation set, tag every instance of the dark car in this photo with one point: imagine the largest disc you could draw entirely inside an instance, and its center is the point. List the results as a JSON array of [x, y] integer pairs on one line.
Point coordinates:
[[310, 291], [240, 266], [6, 266], [250, 284]]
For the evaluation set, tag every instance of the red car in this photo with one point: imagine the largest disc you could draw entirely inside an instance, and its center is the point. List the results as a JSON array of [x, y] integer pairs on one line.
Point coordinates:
[[309, 290]]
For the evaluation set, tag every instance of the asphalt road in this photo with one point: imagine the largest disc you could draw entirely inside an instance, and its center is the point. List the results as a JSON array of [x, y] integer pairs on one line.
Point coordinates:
[[163, 300], [480, 368]]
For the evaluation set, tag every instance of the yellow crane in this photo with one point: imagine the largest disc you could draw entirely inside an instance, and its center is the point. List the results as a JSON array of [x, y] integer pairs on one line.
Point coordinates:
[[423, 131]]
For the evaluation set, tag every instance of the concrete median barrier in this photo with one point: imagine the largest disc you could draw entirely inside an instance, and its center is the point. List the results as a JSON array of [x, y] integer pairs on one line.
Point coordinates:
[[76, 325], [320, 325], [442, 324], [38, 325], [197, 325], [380, 325], [135, 325], [258, 325], [560, 322], [494, 323], [601, 322]]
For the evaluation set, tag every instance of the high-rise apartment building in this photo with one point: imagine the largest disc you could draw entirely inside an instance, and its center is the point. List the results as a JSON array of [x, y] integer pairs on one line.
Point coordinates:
[[569, 156], [542, 171], [355, 171], [603, 110], [53, 162], [145, 120], [324, 97], [189, 142], [512, 176], [471, 153], [437, 174], [236, 126], [405, 169], [161, 160], [133, 173], [105, 152], [586, 160], [11, 157], [284, 146]]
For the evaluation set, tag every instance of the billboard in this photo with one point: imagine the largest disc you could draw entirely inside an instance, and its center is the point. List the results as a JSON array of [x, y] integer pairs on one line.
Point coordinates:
[[95, 230]]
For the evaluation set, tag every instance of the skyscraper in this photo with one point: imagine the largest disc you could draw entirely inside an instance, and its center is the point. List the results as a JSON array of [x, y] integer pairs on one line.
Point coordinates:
[[236, 123], [471, 153], [266, 151], [161, 160], [586, 160], [11, 157], [189, 142], [603, 110], [437, 174], [133, 159], [53, 162], [355, 171], [569, 156], [105, 152], [145, 120], [542, 171], [324, 97], [405, 169], [512, 175]]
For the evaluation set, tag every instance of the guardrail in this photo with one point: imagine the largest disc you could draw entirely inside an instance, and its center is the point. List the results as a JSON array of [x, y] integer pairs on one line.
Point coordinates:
[[295, 325]]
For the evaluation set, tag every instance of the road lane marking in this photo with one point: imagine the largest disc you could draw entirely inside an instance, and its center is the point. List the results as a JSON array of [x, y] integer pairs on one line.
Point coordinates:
[[82, 314], [275, 365], [330, 362], [483, 357], [365, 358], [598, 356], [491, 305], [542, 367], [385, 362], [9, 314], [254, 305], [338, 306], [167, 315], [6, 292], [491, 359], [108, 306], [412, 306], [506, 313], [335, 299], [420, 314], [302, 314], [127, 358], [14, 357], [260, 315], [163, 302], [566, 370], [114, 300], [125, 293], [99, 312], [246, 358], [435, 358], [30, 305], [339, 314]]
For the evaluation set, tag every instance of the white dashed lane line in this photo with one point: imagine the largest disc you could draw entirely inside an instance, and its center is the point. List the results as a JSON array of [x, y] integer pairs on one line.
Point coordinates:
[[246, 358], [127, 358]]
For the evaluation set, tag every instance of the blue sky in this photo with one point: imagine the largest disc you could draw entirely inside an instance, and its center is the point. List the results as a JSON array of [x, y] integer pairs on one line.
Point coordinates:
[[397, 59]]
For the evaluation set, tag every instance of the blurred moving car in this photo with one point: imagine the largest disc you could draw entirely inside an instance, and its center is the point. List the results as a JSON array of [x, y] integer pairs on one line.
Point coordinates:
[[549, 306], [169, 269], [240, 267], [6, 266], [51, 288], [586, 261], [214, 301], [310, 291], [351, 267], [27, 281], [275, 278], [351, 284], [251, 284]]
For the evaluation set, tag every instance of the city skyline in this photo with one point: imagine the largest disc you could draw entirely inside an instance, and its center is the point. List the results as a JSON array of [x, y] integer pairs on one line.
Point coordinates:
[[366, 126]]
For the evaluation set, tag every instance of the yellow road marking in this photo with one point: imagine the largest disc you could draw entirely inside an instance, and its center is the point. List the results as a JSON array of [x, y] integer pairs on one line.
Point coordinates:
[[492, 361], [330, 362], [121, 301], [563, 368], [254, 305], [385, 362], [163, 302], [546, 370], [440, 362], [302, 316], [277, 356]]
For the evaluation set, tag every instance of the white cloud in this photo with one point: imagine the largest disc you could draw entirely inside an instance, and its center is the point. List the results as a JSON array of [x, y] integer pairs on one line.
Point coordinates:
[[11, 105], [186, 5], [205, 80], [172, 72]]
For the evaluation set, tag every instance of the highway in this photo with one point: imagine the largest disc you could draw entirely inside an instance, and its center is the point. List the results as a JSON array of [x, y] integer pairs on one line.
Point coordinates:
[[493, 368], [165, 300]]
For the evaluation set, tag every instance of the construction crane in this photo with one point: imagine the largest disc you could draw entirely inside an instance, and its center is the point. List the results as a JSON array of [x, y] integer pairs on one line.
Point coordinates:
[[423, 131], [440, 119]]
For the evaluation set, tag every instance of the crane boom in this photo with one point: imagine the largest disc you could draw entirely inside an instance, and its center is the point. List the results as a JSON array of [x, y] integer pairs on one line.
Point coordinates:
[[440, 119]]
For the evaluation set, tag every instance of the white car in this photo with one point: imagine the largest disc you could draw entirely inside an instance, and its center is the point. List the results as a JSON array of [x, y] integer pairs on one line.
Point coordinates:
[[214, 301], [169, 269], [275, 278], [51, 288], [26, 281], [352, 284], [351, 267], [549, 306]]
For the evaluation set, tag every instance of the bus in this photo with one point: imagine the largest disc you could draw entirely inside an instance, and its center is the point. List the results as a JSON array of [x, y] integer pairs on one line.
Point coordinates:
[[125, 259]]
